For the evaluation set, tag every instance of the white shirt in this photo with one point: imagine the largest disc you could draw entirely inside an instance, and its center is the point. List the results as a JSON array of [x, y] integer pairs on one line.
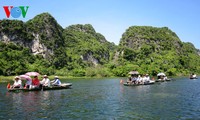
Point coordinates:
[[139, 79], [45, 82], [147, 78], [17, 83]]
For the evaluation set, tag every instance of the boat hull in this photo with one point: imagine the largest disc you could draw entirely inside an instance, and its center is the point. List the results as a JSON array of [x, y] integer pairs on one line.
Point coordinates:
[[193, 78], [160, 80], [147, 83]]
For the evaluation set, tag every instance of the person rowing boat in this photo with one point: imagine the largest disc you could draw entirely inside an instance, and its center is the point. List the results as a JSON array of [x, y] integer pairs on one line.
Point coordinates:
[[56, 81]]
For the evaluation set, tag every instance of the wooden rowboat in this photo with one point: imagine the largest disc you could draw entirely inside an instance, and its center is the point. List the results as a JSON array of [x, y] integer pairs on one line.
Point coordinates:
[[146, 83], [63, 86]]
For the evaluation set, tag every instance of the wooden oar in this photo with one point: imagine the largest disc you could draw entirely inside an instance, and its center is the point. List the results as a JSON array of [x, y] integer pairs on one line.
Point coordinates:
[[42, 88]]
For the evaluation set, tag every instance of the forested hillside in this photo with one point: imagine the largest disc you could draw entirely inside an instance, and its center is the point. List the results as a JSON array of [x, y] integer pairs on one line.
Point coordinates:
[[153, 49], [42, 45]]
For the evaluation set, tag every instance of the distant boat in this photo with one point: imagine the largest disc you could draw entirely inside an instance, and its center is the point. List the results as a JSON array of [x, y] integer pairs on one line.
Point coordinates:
[[193, 76], [162, 77]]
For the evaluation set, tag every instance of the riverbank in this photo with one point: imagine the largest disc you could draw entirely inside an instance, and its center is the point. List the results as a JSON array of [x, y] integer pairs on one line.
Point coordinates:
[[51, 77], [10, 78]]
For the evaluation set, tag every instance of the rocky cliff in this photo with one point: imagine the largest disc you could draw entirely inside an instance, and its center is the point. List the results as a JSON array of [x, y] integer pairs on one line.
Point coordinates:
[[198, 51], [42, 34]]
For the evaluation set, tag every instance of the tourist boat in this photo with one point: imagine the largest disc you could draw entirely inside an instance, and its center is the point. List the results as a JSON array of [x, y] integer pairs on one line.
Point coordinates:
[[162, 77], [146, 83], [63, 86], [163, 80]]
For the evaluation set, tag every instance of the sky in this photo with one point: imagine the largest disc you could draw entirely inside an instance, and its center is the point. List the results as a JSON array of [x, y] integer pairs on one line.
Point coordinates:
[[111, 18]]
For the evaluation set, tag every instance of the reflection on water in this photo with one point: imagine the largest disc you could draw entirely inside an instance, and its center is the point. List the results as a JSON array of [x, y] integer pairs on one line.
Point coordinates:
[[105, 99]]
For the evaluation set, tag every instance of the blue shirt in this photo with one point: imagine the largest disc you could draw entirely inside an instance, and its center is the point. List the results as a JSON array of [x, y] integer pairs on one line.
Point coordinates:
[[56, 82]]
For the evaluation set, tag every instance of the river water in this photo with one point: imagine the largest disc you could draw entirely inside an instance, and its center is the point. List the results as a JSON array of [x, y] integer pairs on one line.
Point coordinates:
[[105, 99]]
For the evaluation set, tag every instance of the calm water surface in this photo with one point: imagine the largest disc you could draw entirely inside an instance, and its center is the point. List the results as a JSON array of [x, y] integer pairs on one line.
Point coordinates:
[[105, 99]]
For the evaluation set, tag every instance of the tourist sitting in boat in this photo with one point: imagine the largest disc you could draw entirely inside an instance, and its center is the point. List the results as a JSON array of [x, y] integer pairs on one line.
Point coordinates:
[[193, 76], [36, 82], [17, 83], [146, 78], [45, 82], [134, 79], [142, 80], [56, 81], [129, 81], [139, 79], [165, 78], [28, 84], [160, 78]]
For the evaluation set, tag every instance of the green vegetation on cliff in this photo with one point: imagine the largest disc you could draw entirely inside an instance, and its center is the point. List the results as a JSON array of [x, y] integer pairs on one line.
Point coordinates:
[[42, 45], [16, 60], [86, 47]]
